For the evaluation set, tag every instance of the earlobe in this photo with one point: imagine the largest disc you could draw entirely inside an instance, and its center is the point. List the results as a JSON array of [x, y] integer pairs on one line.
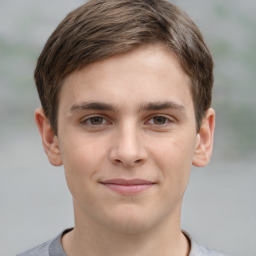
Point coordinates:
[[49, 139], [204, 142]]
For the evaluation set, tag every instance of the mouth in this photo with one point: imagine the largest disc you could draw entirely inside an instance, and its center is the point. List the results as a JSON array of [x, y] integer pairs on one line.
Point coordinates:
[[128, 187]]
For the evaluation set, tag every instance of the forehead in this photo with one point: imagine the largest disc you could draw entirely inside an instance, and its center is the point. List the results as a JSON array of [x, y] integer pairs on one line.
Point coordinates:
[[147, 73]]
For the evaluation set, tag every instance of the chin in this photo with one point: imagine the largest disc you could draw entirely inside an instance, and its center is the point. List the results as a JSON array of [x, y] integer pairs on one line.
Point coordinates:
[[131, 226], [130, 221]]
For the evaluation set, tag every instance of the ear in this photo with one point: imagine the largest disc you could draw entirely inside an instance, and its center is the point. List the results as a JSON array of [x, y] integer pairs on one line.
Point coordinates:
[[204, 144], [49, 139]]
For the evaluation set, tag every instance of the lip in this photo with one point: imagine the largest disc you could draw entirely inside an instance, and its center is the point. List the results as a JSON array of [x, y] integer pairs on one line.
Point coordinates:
[[128, 187]]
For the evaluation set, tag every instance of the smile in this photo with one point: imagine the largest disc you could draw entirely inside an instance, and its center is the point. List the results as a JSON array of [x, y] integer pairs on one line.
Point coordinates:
[[128, 187]]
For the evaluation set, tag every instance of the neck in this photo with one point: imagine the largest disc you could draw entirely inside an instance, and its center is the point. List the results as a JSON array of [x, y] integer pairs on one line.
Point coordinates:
[[164, 239]]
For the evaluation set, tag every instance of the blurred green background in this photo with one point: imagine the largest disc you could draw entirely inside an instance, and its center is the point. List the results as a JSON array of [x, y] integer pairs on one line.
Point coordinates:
[[30, 190], [229, 28]]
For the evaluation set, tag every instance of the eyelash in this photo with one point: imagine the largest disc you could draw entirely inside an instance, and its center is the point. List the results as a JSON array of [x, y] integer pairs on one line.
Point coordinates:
[[88, 121], [160, 118]]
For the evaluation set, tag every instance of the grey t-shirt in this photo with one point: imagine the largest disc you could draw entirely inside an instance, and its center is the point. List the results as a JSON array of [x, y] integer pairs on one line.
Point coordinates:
[[54, 248]]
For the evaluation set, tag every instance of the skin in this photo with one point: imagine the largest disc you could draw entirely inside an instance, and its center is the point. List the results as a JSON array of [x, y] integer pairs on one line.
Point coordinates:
[[128, 117]]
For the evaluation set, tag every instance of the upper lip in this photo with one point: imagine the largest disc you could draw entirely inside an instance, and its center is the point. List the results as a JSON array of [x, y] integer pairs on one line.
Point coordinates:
[[127, 182]]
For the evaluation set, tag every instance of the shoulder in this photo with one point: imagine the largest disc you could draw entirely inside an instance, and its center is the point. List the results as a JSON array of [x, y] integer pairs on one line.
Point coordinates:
[[50, 248], [199, 250], [40, 250]]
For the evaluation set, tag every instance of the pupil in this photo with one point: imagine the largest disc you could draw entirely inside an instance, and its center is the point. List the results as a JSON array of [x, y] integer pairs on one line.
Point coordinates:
[[159, 120], [96, 120]]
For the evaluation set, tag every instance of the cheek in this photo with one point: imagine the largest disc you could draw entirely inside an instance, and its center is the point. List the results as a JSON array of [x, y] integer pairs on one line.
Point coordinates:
[[81, 152], [82, 158], [174, 158], [176, 149]]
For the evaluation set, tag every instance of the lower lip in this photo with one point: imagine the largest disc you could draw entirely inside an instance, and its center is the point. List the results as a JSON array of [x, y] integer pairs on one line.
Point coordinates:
[[128, 189]]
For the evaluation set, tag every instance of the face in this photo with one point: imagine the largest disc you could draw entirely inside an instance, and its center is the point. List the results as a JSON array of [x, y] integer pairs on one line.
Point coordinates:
[[127, 139]]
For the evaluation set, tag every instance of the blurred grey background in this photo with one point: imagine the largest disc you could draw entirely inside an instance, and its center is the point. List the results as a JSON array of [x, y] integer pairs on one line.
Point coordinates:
[[219, 206]]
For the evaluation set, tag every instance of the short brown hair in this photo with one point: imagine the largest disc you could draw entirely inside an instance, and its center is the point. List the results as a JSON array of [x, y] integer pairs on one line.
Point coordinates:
[[102, 28]]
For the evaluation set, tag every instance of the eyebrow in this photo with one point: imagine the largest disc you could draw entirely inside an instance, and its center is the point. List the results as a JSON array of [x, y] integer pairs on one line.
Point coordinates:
[[92, 106], [162, 105], [144, 107]]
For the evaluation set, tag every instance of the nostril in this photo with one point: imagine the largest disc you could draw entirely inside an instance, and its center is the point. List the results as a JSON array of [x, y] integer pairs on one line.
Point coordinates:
[[129, 163], [138, 161]]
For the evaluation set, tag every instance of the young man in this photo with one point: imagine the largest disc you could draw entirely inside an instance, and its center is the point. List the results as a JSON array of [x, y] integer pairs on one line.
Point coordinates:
[[125, 88]]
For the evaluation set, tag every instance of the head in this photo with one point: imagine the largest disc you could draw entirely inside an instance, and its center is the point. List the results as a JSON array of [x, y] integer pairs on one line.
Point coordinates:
[[100, 29], [126, 92]]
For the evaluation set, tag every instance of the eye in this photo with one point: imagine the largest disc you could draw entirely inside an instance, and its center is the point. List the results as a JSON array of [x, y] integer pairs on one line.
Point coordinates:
[[158, 120], [94, 121]]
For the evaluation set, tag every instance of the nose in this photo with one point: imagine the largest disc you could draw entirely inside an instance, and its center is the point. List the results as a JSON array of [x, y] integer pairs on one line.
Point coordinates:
[[127, 148]]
